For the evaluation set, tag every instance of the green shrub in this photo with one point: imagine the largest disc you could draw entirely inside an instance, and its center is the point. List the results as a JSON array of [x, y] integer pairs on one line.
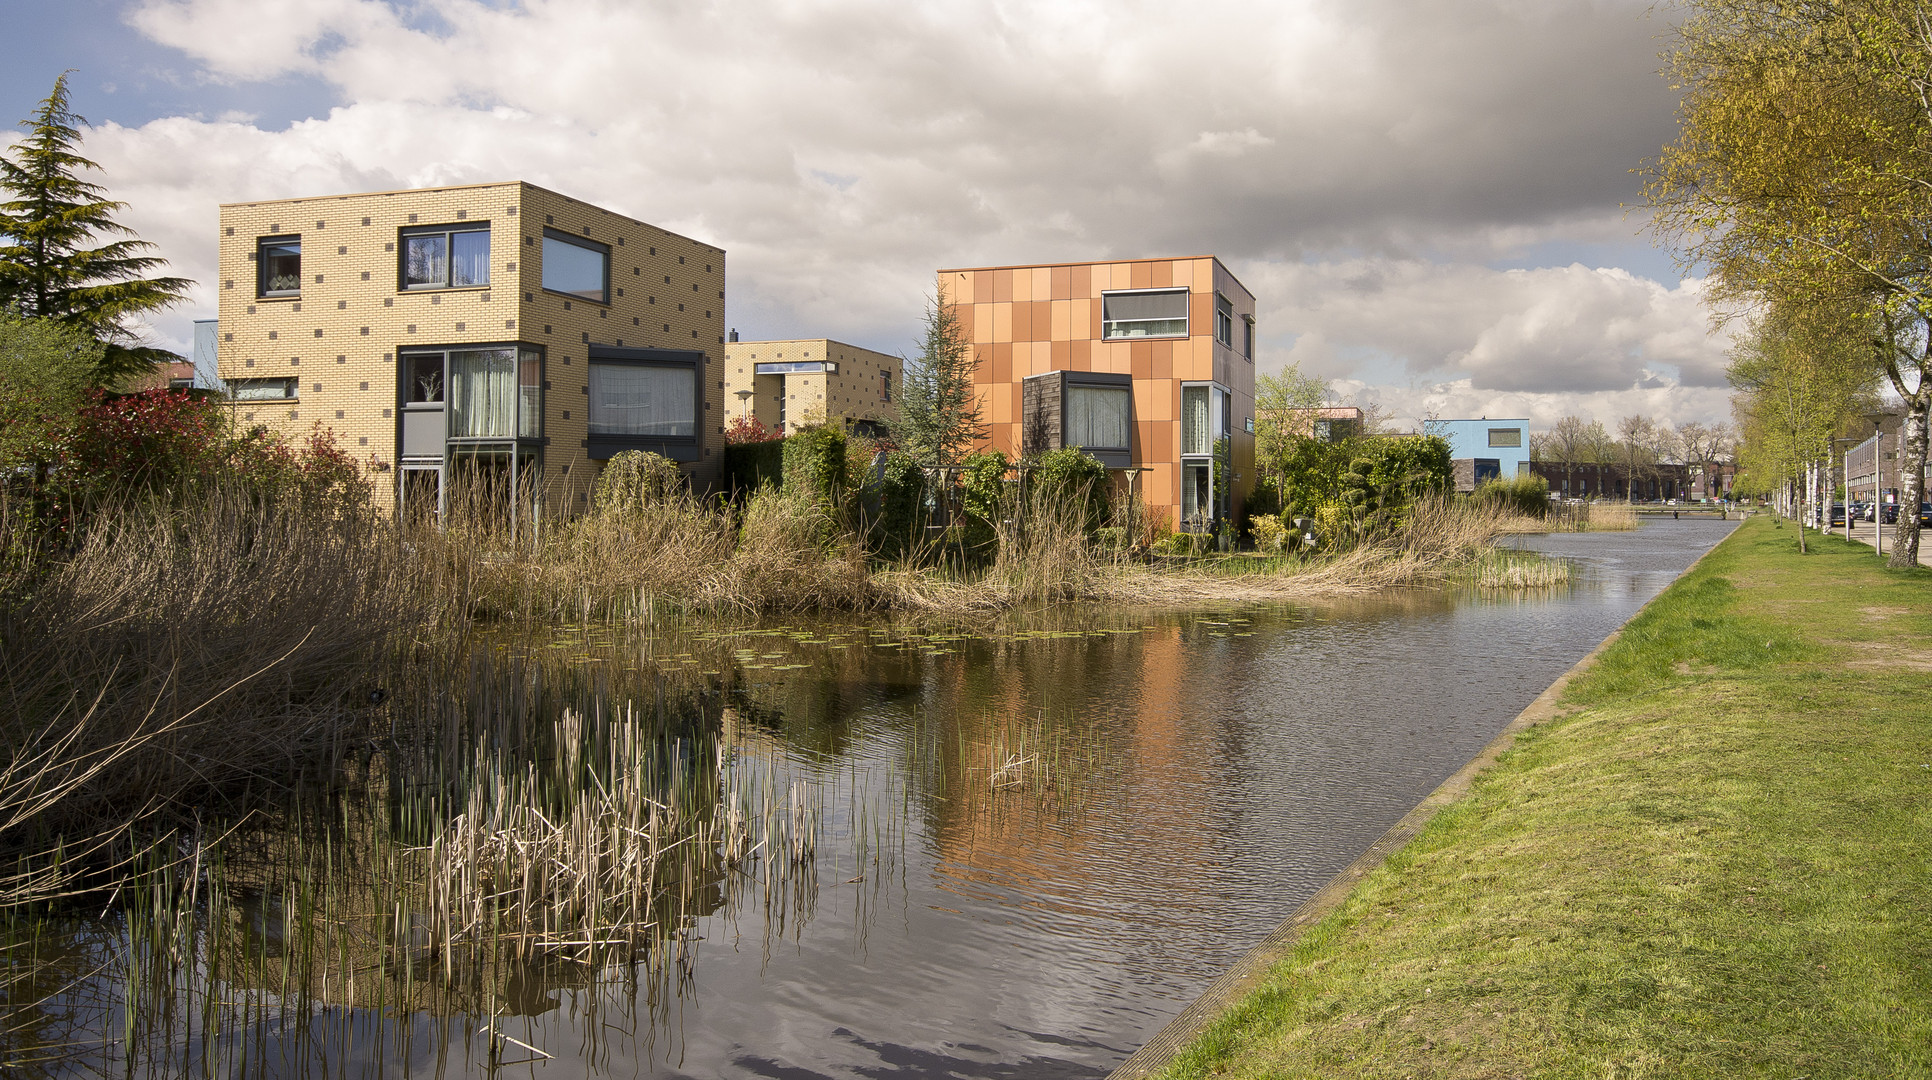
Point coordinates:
[[1270, 535], [814, 465], [1526, 493], [633, 480], [1068, 475], [902, 504], [982, 486], [751, 465]]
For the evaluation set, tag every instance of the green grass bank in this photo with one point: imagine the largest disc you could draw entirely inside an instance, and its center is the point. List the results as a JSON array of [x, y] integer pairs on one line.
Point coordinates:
[[1714, 862]]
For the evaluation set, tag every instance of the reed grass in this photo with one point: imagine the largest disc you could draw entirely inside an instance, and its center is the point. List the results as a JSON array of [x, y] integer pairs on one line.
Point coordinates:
[[1595, 516]]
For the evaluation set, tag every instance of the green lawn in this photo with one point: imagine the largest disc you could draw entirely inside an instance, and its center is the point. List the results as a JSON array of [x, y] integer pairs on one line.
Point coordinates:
[[1717, 863]]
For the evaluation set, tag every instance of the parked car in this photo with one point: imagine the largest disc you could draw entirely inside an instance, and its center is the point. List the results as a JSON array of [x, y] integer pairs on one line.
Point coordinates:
[[1925, 514], [1891, 513], [1837, 515]]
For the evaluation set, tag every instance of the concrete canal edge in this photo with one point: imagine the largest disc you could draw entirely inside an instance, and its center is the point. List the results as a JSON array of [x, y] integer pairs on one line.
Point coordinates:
[[1247, 972]]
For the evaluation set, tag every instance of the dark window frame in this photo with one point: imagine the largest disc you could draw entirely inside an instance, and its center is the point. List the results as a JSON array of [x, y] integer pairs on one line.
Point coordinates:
[[1247, 338], [1187, 315], [403, 404], [679, 448], [449, 247], [291, 385], [1224, 320], [587, 244], [262, 243]]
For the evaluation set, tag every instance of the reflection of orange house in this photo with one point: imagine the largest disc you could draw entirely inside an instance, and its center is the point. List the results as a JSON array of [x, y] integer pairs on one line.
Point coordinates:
[[1147, 364]]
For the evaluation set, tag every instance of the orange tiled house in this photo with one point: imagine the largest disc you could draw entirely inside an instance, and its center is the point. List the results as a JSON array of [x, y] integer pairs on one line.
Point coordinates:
[[1147, 364]]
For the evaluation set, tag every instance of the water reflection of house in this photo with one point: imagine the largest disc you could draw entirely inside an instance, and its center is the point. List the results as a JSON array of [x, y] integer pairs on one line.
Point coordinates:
[[1137, 759]]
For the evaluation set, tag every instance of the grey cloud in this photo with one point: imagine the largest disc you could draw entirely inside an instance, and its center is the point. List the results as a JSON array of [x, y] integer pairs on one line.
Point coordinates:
[[1335, 151]]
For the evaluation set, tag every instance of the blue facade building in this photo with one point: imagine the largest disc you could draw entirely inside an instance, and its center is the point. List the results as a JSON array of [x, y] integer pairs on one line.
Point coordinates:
[[1484, 449]]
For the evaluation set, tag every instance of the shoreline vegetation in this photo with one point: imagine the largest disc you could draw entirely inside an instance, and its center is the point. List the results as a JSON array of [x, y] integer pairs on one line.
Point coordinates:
[[186, 654], [1708, 865]]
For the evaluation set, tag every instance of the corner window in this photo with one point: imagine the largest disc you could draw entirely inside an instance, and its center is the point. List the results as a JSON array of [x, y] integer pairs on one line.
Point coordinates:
[[1144, 314], [1098, 417], [575, 266], [1195, 433], [490, 393], [279, 260], [261, 389], [1224, 321], [643, 400], [446, 257]]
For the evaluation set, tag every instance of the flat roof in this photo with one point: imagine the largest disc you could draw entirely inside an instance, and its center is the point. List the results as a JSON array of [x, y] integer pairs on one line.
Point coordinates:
[[470, 187], [1098, 262]]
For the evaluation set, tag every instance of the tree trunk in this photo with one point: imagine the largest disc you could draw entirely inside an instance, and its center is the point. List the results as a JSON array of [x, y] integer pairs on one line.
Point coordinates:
[[1911, 482]]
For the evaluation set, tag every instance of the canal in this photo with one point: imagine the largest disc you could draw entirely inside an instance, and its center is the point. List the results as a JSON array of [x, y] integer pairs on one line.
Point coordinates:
[[1032, 843]]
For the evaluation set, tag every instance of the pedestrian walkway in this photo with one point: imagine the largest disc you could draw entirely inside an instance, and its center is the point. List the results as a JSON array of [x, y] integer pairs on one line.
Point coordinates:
[[1862, 531]]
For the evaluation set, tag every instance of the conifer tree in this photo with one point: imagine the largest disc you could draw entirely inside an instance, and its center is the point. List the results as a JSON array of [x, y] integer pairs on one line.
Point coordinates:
[[939, 416], [50, 266]]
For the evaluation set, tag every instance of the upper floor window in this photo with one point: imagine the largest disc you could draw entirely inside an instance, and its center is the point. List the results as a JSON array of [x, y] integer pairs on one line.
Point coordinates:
[[446, 256], [1247, 336], [1144, 314], [575, 266], [279, 260], [1511, 436], [1224, 321], [885, 386]]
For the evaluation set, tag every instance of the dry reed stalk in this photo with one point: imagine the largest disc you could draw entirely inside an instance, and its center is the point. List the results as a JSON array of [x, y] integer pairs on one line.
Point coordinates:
[[183, 654]]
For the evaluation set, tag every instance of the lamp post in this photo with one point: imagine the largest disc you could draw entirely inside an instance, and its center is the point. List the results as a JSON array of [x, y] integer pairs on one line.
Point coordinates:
[[1878, 481], [1849, 443]]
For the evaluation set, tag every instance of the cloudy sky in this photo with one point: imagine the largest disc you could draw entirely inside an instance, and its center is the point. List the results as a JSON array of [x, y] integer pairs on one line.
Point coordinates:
[[1428, 197]]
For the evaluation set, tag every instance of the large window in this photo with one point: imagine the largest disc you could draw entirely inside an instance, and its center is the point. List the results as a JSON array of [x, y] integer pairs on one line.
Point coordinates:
[[1224, 321], [261, 389], [482, 394], [575, 266], [1097, 417], [1506, 437], [279, 258], [1144, 314], [643, 400], [486, 394], [446, 257]]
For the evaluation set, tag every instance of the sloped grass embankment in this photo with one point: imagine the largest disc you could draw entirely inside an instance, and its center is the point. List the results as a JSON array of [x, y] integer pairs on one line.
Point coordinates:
[[1713, 864]]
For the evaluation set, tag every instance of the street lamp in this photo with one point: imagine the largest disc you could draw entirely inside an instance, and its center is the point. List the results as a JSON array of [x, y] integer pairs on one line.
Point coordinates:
[[1849, 443], [1878, 481]]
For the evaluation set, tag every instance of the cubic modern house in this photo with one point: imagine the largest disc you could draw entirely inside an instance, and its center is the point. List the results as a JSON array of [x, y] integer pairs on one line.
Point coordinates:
[[1146, 364], [782, 384], [503, 327], [1484, 449]]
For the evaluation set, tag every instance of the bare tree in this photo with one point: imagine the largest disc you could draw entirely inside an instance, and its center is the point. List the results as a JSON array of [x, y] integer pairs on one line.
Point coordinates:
[[1636, 448]]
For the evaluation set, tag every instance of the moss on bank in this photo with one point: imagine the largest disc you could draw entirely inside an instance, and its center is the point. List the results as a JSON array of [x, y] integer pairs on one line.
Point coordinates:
[[1712, 865]]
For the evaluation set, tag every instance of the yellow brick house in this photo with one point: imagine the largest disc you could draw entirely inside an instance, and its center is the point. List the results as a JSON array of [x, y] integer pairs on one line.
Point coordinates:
[[500, 326], [782, 384]]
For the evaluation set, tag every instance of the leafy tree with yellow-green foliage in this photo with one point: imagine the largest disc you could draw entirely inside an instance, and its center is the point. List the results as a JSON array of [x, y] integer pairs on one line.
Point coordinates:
[[1802, 174]]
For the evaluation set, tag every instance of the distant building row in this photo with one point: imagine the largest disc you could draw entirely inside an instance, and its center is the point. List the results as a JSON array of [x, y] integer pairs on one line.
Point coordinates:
[[525, 333]]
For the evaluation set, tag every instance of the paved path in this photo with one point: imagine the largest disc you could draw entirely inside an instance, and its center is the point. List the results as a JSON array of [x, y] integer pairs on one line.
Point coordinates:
[[1862, 532]]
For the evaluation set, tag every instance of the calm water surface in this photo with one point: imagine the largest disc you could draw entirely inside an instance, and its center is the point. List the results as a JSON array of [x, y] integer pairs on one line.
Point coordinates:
[[1234, 767], [1037, 845]]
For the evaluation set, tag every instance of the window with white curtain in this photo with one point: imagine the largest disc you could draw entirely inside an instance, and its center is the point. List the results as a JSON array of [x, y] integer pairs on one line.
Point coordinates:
[[643, 400], [1144, 314], [1097, 416], [1196, 432], [482, 393], [446, 257]]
